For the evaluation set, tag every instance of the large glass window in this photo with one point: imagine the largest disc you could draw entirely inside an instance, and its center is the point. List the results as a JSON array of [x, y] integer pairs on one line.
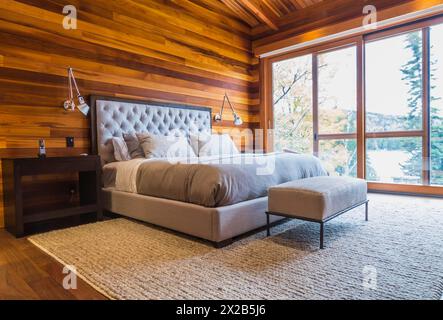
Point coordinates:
[[436, 115], [394, 83], [394, 104], [337, 110], [388, 162], [370, 106], [337, 91], [293, 106], [292, 97]]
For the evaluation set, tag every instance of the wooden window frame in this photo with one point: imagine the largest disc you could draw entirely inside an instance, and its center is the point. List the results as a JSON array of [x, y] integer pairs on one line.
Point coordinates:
[[268, 87], [267, 121], [424, 132]]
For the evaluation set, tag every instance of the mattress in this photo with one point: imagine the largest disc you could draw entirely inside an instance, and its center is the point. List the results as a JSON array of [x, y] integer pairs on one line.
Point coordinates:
[[210, 181]]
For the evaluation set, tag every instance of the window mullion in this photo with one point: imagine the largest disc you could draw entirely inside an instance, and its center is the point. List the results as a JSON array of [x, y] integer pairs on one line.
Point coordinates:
[[315, 102], [361, 113], [426, 143]]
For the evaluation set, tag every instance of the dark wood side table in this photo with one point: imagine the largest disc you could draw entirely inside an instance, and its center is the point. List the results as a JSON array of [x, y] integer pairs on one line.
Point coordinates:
[[89, 183]]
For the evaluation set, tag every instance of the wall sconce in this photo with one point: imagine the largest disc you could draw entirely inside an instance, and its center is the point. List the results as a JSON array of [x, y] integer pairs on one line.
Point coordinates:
[[69, 104], [219, 116]]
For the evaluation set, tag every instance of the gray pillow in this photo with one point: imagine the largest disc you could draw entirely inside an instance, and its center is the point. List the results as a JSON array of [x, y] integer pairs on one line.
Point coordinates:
[[134, 147], [121, 152], [157, 146]]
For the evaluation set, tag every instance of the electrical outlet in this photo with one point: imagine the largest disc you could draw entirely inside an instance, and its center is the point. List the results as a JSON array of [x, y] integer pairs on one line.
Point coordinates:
[[70, 142]]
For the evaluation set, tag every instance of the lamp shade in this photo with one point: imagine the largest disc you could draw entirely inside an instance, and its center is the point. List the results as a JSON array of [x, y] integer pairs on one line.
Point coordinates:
[[218, 117], [83, 106], [237, 120]]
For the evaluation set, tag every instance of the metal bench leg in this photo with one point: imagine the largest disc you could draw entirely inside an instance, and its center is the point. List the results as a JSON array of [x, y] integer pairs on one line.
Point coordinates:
[[268, 227], [321, 235], [366, 208]]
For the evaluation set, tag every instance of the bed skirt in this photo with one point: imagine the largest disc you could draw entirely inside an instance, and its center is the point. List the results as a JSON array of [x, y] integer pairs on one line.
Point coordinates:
[[213, 224]]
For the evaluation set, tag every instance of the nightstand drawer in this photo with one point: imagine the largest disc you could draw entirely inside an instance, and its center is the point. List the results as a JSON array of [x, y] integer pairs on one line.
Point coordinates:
[[35, 166]]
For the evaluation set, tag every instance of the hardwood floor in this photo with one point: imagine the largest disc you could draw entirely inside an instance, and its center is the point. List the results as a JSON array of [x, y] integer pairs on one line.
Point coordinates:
[[26, 272]]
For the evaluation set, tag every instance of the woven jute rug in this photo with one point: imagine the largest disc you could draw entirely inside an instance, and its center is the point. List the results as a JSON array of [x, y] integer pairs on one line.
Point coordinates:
[[398, 254]]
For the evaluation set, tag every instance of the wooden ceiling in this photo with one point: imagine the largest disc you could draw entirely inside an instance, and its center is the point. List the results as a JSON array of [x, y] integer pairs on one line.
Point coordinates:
[[267, 12]]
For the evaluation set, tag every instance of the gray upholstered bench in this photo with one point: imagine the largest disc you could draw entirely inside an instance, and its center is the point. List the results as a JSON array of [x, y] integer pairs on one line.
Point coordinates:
[[318, 199]]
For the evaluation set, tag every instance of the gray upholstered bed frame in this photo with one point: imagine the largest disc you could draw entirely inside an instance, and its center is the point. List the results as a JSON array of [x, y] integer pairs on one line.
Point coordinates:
[[112, 116]]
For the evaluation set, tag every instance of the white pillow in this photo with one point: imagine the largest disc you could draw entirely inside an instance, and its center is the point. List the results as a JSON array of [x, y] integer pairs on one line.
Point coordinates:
[[214, 145], [157, 146], [121, 152]]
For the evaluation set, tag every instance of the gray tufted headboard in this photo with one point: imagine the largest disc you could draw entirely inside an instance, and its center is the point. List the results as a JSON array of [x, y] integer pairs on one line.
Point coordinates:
[[111, 117]]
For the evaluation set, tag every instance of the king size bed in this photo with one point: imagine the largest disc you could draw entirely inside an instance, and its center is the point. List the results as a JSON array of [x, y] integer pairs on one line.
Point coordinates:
[[215, 198]]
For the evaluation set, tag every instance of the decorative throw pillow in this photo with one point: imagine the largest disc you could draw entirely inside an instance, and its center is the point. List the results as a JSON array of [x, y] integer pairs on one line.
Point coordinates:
[[216, 144], [134, 147], [193, 141], [157, 146], [121, 152]]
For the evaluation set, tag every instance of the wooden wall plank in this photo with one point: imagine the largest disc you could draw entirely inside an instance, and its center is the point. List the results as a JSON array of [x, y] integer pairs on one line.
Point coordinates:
[[185, 51]]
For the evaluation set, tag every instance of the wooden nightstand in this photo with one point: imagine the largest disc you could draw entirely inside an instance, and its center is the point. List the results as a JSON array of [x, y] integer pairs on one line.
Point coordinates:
[[89, 185]]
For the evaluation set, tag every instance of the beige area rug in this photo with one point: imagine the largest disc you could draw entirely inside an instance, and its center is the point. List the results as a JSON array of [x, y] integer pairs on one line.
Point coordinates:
[[398, 254]]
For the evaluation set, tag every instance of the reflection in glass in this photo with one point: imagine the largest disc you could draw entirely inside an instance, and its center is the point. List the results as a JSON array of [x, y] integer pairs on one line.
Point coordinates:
[[292, 97]]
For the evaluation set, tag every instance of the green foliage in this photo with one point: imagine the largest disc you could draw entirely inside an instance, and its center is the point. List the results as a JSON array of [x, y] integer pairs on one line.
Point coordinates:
[[412, 74], [292, 101]]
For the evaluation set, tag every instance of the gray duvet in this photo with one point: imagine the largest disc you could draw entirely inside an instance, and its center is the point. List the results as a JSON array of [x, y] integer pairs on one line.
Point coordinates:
[[227, 181]]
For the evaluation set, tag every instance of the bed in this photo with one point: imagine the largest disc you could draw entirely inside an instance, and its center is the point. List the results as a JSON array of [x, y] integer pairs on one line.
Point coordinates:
[[213, 198]]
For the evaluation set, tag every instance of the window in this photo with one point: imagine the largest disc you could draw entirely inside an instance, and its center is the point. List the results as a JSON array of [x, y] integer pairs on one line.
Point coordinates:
[[335, 102], [394, 83], [337, 110], [436, 102], [337, 96], [292, 100], [394, 96], [370, 106], [387, 161]]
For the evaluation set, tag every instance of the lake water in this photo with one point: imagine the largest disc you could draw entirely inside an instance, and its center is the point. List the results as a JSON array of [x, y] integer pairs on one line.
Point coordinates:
[[387, 164]]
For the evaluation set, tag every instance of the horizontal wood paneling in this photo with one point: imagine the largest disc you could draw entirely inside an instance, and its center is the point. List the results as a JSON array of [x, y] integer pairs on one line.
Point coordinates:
[[182, 51]]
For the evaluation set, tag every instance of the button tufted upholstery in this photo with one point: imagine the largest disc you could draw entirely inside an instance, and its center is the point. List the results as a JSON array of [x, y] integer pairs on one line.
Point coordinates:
[[115, 118]]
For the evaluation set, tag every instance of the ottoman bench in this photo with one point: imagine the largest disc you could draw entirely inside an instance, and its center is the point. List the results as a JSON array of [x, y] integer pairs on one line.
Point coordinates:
[[317, 199]]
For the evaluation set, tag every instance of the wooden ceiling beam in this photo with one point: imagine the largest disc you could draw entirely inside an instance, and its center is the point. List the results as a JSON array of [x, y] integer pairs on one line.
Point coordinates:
[[260, 11], [311, 17], [282, 5], [272, 5], [241, 12], [337, 16], [296, 4]]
